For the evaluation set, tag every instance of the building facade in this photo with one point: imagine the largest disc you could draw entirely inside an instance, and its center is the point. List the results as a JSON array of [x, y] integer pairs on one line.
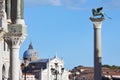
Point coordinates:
[[28, 77], [44, 69], [87, 73], [12, 34]]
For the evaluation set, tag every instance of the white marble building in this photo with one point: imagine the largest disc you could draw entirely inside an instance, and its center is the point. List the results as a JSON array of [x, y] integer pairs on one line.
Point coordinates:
[[45, 69], [54, 70]]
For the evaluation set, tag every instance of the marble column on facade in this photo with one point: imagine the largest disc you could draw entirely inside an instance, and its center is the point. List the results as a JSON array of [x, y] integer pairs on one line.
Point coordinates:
[[14, 43], [8, 10], [22, 9], [0, 59], [97, 24], [20, 12]]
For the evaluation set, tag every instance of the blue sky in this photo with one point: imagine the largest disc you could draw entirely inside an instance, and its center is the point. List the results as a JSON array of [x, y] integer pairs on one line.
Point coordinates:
[[63, 27]]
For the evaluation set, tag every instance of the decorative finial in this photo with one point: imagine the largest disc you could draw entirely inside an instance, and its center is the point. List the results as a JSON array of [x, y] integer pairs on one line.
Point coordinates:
[[30, 46], [55, 55]]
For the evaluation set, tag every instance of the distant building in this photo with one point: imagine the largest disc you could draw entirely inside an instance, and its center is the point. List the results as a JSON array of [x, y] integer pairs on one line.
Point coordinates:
[[87, 73], [43, 69], [28, 77]]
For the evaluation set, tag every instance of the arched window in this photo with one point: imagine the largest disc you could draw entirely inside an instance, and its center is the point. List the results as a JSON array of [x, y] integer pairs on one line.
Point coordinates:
[[3, 72]]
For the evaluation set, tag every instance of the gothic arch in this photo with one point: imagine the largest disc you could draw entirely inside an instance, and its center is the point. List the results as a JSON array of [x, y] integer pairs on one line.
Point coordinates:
[[3, 72]]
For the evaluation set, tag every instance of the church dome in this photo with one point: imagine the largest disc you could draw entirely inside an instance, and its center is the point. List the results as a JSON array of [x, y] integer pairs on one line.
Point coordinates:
[[30, 54]]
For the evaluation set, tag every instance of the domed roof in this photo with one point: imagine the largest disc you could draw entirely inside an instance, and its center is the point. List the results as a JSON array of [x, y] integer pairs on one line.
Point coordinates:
[[30, 53]]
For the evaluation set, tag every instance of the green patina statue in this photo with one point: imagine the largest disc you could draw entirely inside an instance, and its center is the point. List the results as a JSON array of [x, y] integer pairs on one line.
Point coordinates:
[[98, 12]]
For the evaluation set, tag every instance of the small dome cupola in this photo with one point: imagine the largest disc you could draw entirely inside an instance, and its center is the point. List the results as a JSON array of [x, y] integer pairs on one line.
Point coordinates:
[[30, 54]]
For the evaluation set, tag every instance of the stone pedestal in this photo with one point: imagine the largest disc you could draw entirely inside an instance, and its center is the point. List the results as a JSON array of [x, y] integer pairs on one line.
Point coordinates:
[[97, 22]]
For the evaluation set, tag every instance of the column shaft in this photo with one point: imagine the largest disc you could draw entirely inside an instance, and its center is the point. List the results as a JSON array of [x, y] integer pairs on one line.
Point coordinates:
[[10, 75], [14, 45], [97, 54], [0, 62], [18, 9], [22, 9], [8, 9], [15, 63], [20, 12], [97, 22]]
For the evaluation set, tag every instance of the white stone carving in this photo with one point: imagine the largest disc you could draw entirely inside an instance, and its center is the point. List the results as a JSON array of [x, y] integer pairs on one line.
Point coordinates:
[[2, 8], [3, 19]]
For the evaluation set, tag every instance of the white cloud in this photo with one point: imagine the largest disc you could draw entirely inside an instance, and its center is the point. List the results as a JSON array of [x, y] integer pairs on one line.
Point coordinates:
[[55, 2], [76, 8], [43, 2], [111, 4], [74, 4], [70, 4]]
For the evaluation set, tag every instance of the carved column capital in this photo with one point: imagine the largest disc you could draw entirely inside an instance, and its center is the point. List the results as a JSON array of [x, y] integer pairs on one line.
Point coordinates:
[[97, 22], [14, 41]]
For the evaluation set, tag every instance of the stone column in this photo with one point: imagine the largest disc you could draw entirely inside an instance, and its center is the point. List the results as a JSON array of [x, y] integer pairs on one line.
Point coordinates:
[[15, 61], [14, 43], [8, 10], [18, 12], [20, 9], [97, 22], [0, 59]]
